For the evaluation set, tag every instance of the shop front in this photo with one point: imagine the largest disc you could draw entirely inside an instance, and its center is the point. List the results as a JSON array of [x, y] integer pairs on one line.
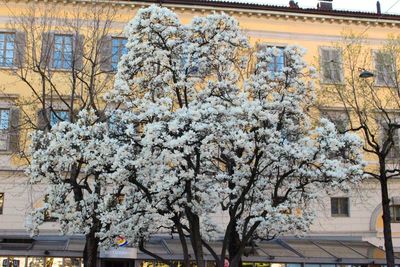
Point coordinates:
[[57, 251]]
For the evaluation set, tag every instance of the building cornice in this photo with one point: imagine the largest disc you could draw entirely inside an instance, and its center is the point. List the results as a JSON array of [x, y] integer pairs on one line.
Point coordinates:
[[252, 10]]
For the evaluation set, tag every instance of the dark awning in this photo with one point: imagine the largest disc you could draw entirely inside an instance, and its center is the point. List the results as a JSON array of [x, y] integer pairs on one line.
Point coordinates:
[[285, 250], [322, 250], [56, 246]]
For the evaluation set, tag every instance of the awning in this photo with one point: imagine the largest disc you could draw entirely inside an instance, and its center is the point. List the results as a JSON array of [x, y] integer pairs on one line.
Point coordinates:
[[322, 250], [54, 246], [285, 250]]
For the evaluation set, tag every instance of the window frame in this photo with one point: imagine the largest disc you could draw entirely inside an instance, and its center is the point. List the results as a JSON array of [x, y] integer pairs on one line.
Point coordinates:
[[340, 65], [396, 218], [394, 153], [57, 117], [47, 213], [279, 46], [377, 82], [339, 208], [334, 115], [5, 131], [275, 63], [4, 49], [2, 197], [120, 51], [63, 52]]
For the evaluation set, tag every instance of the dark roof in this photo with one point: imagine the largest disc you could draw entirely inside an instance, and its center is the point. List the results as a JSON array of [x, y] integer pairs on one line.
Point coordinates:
[[267, 7]]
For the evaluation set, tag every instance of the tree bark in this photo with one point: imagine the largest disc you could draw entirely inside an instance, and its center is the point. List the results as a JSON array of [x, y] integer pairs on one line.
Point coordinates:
[[90, 251], [195, 237], [235, 257], [387, 228], [182, 238]]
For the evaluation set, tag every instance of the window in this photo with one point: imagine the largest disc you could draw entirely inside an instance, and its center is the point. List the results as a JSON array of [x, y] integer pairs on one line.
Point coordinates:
[[7, 46], [331, 65], [1, 202], [395, 213], [118, 49], [58, 116], [394, 152], [62, 55], [338, 118], [340, 207], [47, 213], [278, 62], [385, 69], [192, 67], [4, 128]]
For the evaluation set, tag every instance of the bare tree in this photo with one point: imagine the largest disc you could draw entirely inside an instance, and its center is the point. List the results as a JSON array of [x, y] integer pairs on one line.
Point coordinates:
[[64, 59], [371, 106]]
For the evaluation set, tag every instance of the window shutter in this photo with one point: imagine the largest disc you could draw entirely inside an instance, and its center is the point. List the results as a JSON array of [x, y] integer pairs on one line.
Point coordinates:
[[47, 49], [14, 129], [380, 68], [106, 54], [336, 63], [19, 49], [78, 51], [326, 65], [43, 119]]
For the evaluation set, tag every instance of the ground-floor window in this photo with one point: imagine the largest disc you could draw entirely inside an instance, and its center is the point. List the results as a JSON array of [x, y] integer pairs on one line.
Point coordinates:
[[395, 213], [40, 262]]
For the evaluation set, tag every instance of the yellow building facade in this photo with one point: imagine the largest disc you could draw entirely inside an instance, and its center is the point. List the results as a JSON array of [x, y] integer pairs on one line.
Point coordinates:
[[355, 215]]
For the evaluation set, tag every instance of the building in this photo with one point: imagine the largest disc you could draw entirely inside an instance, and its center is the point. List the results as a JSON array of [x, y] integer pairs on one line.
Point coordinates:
[[355, 216]]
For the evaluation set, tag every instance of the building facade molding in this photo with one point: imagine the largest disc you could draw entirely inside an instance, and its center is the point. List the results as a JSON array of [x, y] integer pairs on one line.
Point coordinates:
[[249, 10]]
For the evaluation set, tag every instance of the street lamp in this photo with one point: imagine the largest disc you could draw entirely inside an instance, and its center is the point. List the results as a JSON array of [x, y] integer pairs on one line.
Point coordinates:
[[365, 74]]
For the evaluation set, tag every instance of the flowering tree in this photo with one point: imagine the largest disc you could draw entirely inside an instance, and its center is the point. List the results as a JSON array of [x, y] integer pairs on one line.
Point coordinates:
[[75, 161], [219, 133]]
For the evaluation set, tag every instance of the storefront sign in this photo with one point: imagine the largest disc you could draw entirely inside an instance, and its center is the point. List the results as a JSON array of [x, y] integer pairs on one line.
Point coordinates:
[[119, 253]]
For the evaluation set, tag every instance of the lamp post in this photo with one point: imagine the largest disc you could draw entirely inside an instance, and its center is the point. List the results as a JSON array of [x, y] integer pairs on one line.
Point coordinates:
[[365, 74]]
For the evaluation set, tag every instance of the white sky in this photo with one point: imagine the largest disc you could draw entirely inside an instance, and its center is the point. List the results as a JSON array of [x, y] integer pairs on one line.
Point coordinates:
[[387, 6]]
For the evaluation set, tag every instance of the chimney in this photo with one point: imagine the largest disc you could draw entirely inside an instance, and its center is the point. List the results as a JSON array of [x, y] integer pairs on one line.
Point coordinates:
[[293, 4], [325, 5], [378, 7]]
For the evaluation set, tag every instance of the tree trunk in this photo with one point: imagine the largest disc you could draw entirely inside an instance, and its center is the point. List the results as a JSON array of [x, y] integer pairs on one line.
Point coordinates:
[[90, 251], [387, 229], [195, 237], [235, 257], [182, 238]]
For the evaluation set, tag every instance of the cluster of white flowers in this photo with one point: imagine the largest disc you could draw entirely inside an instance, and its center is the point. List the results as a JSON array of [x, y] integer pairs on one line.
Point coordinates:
[[198, 134]]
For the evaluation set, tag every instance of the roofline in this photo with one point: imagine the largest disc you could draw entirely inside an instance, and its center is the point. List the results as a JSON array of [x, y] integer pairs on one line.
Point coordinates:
[[264, 7]]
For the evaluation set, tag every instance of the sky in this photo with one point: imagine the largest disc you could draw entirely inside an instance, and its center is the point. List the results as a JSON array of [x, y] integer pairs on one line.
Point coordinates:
[[387, 6]]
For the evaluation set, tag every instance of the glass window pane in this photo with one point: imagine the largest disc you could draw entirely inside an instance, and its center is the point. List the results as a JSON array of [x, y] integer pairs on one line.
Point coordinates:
[[17, 261], [35, 262], [147, 264], [4, 261], [118, 49], [62, 56], [72, 262], [54, 262], [3, 141], [1, 202], [10, 45], [4, 119], [58, 116], [68, 40], [340, 206]]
